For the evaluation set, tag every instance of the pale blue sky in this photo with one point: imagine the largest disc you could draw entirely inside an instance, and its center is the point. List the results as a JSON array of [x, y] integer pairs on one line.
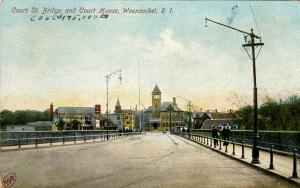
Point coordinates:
[[66, 61]]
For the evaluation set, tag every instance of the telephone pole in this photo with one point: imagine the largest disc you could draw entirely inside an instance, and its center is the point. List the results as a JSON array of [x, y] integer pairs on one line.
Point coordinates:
[[140, 112], [189, 114], [170, 108], [108, 77], [252, 44]]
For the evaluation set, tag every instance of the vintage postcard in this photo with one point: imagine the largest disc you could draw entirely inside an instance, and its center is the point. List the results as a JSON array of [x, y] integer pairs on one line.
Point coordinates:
[[149, 93]]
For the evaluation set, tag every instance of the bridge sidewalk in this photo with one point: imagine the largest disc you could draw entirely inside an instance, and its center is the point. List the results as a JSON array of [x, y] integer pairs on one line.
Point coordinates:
[[283, 165]]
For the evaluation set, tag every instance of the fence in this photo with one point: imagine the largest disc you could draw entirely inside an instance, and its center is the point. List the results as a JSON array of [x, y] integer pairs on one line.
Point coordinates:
[[285, 141], [45, 134], [36, 141], [216, 142]]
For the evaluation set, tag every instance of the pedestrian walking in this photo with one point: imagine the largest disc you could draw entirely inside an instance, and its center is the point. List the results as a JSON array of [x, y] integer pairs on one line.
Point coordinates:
[[214, 134], [226, 134]]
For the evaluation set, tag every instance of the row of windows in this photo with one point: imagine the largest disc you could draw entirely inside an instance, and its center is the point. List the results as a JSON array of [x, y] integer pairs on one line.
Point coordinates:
[[125, 117], [166, 115], [156, 96]]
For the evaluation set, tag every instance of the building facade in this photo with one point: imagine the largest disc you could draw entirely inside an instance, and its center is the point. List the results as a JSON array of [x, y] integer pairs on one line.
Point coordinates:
[[199, 118], [162, 116], [220, 123], [123, 119], [78, 118]]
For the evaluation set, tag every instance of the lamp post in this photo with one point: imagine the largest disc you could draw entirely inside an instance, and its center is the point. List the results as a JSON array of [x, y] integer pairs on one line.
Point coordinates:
[[252, 44], [108, 77], [170, 108], [190, 119], [255, 150], [189, 114]]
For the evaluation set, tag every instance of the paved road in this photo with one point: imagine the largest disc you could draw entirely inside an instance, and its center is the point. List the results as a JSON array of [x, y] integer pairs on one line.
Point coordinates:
[[154, 160]]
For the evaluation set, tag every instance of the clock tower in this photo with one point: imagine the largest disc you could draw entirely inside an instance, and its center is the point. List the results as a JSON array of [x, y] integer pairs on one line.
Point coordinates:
[[156, 101]]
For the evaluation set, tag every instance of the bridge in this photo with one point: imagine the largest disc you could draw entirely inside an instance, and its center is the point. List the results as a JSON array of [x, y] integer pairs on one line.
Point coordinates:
[[142, 160]]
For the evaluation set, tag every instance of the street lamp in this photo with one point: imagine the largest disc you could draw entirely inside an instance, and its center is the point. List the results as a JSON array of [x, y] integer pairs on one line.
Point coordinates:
[[189, 114], [108, 77], [252, 44], [170, 109]]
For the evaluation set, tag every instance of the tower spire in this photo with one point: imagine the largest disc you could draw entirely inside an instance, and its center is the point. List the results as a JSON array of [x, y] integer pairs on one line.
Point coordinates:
[[118, 106], [156, 102]]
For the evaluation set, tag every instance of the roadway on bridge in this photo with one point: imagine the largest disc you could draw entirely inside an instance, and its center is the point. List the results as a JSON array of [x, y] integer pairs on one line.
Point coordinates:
[[154, 160]]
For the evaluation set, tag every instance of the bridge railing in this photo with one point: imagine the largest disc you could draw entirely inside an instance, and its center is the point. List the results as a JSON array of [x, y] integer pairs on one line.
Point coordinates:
[[217, 144], [285, 141], [36, 141]]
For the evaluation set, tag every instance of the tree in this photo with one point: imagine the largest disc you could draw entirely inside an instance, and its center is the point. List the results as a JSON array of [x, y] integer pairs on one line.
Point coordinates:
[[22, 117], [60, 125], [273, 115], [245, 116], [6, 118]]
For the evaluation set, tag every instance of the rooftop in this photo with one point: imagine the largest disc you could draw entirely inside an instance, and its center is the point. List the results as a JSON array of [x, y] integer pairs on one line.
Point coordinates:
[[156, 89], [76, 110], [164, 107], [218, 122]]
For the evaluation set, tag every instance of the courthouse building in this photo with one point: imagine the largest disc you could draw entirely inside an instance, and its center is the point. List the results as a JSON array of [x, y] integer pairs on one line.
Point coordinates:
[[162, 115]]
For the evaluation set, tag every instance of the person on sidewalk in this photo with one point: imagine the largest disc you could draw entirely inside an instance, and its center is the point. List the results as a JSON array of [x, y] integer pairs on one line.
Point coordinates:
[[214, 134], [226, 134]]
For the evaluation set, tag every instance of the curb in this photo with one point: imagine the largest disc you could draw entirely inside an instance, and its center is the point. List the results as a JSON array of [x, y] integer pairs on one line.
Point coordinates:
[[266, 171]]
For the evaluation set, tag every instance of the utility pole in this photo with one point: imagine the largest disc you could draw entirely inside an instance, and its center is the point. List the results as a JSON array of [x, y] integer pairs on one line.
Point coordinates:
[[108, 77], [252, 44], [170, 117], [190, 119], [189, 114], [140, 113]]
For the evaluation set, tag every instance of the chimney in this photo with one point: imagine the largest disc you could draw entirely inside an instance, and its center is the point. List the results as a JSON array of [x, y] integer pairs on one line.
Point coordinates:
[[97, 109], [51, 111], [174, 101]]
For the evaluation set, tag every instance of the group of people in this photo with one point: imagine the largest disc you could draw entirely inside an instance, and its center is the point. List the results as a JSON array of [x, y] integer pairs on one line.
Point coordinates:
[[216, 132], [187, 130]]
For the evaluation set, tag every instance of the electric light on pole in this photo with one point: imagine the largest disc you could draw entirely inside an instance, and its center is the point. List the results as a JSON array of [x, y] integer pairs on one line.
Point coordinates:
[[252, 44], [108, 77], [170, 109]]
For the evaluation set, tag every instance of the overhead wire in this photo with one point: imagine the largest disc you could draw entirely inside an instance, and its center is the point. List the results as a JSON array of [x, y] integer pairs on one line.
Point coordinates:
[[254, 18], [256, 28], [212, 98]]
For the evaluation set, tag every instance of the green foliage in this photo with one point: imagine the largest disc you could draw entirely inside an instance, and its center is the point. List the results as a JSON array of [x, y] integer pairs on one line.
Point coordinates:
[[60, 125], [22, 117], [245, 116], [6, 117], [273, 115]]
